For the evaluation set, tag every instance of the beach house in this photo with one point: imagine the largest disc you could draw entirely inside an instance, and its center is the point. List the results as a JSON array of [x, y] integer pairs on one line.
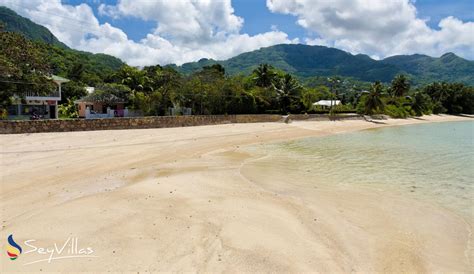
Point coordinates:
[[100, 104], [327, 103], [33, 103]]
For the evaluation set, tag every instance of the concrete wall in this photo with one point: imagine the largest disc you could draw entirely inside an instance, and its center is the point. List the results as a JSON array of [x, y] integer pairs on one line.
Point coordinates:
[[16, 127]]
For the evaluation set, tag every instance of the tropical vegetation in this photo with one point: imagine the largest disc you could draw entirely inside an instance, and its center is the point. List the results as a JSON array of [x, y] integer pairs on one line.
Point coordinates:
[[287, 84], [307, 62]]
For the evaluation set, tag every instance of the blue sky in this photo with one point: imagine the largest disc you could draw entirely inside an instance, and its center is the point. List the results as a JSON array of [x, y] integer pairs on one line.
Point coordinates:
[[259, 19], [438, 9], [146, 32]]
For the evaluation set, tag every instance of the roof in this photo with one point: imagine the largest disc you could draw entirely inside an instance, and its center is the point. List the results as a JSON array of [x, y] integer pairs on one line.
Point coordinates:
[[59, 79], [100, 97], [327, 103]]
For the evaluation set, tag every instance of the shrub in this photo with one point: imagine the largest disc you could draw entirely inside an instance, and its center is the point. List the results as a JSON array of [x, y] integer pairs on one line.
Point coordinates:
[[397, 112], [360, 108], [3, 114], [68, 110]]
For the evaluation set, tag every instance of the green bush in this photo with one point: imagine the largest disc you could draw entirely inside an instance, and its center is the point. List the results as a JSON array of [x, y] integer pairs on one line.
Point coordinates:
[[344, 108], [360, 107], [3, 114], [397, 112], [68, 110]]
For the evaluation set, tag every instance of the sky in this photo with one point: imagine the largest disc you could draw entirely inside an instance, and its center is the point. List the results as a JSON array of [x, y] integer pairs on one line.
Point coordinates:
[[149, 32]]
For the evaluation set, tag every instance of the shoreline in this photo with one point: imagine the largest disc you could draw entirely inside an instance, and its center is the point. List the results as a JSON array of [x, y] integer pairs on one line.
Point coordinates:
[[375, 193], [179, 194]]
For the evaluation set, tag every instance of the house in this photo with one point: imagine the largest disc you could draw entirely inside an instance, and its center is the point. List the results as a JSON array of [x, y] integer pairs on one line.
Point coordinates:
[[46, 106], [327, 103], [99, 104]]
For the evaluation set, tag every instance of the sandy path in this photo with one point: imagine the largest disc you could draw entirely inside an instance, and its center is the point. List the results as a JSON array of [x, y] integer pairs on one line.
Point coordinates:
[[187, 199]]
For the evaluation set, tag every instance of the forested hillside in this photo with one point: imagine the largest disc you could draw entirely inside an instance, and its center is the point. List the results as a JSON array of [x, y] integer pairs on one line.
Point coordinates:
[[62, 59], [309, 61]]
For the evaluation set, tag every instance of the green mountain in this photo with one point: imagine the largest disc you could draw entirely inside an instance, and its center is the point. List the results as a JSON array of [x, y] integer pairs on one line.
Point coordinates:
[[309, 61], [15, 23], [62, 58], [448, 68], [301, 60]]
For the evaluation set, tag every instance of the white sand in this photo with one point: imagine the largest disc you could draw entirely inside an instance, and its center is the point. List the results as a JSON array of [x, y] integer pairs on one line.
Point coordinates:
[[177, 200]]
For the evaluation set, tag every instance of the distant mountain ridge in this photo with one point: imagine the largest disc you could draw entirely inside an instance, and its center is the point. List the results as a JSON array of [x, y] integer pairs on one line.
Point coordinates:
[[301, 60], [307, 61], [61, 55], [449, 67]]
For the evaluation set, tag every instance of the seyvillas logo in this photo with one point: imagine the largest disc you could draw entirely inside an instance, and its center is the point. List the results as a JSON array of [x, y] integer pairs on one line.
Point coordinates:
[[69, 249], [13, 249]]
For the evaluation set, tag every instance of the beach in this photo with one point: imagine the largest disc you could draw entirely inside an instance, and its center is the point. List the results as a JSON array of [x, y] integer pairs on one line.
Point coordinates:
[[189, 199]]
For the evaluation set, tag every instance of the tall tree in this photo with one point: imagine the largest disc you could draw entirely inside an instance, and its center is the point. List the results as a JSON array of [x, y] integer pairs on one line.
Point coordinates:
[[373, 101], [76, 72], [288, 91], [311, 95], [71, 91], [264, 75], [452, 98], [421, 103], [217, 68], [23, 68], [400, 86], [134, 78]]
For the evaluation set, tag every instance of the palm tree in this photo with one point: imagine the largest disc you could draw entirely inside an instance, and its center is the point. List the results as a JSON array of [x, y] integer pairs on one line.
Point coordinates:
[[264, 75], [374, 101], [134, 78], [400, 86], [420, 103], [287, 89], [334, 83], [442, 92], [439, 93]]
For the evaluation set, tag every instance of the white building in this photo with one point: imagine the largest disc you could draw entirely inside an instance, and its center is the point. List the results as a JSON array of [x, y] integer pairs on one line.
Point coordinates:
[[43, 105], [327, 103]]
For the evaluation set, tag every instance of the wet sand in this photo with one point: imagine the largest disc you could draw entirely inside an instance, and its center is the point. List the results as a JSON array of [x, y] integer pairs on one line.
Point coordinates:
[[189, 199]]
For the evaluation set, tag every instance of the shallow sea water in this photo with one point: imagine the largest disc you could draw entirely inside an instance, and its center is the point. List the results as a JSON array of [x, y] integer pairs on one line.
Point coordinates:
[[433, 162]]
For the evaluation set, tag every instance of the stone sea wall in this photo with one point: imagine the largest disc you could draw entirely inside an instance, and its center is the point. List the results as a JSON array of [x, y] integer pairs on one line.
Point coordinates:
[[17, 127]]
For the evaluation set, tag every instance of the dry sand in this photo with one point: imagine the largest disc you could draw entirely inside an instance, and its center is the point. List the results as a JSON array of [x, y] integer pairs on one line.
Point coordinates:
[[178, 200]]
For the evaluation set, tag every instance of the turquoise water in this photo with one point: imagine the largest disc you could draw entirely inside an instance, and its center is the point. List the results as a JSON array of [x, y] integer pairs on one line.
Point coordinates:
[[433, 162]]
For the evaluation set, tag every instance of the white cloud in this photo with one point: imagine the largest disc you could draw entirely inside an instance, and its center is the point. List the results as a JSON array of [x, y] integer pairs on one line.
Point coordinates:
[[318, 42], [185, 20], [186, 30], [377, 27]]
